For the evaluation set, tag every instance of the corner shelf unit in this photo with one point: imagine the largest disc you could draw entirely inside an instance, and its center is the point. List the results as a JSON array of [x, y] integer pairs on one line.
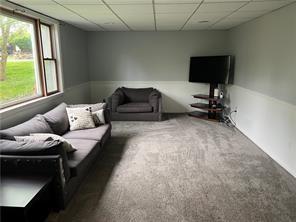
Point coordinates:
[[209, 111]]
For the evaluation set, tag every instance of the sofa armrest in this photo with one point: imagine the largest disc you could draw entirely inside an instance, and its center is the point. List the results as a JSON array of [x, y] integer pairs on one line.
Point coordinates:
[[117, 99], [50, 165], [37, 148], [154, 100]]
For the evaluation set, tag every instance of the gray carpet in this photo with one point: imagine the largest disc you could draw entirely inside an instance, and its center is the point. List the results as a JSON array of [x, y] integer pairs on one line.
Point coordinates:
[[182, 169]]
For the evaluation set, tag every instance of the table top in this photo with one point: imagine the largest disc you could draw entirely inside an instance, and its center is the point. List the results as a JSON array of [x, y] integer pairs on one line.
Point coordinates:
[[18, 191]]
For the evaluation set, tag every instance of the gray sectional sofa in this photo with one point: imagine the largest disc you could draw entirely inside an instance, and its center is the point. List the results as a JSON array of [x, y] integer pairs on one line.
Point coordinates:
[[68, 169], [143, 104]]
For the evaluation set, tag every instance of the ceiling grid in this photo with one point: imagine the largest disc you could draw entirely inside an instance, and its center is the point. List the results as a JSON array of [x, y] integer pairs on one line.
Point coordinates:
[[154, 15]]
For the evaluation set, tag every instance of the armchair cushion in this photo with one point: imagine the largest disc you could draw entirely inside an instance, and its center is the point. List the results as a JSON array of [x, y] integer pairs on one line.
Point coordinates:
[[135, 108], [136, 95]]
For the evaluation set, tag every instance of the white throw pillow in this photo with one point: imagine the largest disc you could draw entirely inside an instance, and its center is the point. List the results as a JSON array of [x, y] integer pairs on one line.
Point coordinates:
[[98, 117], [66, 144], [80, 118]]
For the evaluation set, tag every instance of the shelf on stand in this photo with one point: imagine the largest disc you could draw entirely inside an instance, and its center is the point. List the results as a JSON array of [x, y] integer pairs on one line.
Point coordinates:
[[206, 107], [214, 108], [207, 97], [202, 115]]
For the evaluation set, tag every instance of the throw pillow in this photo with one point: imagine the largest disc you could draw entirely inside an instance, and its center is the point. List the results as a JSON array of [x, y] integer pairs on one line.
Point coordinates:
[[66, 144], [45, 138], [80, 118], [57, 119], [98, 117]]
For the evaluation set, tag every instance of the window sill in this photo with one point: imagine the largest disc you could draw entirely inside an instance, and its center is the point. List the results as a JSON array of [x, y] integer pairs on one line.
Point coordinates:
[[5, 112]]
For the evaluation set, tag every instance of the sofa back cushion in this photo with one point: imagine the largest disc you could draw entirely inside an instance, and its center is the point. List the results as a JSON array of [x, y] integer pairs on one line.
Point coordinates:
[[136, 94], [35, 125], [57, 119]]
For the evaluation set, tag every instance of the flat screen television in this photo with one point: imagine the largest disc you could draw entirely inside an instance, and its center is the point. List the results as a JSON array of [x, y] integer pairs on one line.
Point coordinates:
[[212, 69]]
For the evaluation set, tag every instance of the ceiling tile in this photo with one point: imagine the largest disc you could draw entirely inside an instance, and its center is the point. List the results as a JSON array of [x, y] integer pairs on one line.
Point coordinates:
[[85, 25], [175, 8], [55, 11], [98, 14], [127, 2], [34, 2], [95, 13], [208, 16], [220, 6], [197, 26], [139, 23], [264, 6], [168, 27], [142, 27], [247, 14], [115, 26], [219, 1], [132, 9], [171, 19], [79, 2], [138, 17], [227, 24], [176, 1]]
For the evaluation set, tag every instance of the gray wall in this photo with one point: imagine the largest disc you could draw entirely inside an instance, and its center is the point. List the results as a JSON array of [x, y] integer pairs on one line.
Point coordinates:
[[149, 56], [264, 93], [74, 55], [265, 51]]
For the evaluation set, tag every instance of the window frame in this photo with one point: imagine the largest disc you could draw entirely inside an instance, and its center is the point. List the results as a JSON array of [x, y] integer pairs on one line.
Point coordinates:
[[36, 22], [53, 58]]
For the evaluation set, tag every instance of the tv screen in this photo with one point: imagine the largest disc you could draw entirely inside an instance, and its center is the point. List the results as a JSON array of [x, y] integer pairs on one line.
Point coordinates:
[[211, 69]]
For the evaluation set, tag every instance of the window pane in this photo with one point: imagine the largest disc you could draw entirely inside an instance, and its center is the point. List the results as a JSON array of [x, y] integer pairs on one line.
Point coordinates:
[[19, 77], [51, 76], [46, 41]]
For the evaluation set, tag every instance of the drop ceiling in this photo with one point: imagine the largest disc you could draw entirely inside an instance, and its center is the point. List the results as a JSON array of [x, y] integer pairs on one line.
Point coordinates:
[[154, 15]]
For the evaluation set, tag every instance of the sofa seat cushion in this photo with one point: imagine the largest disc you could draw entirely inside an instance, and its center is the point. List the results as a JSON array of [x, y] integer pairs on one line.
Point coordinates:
[[86, 150], [135, 108], [88, 134]]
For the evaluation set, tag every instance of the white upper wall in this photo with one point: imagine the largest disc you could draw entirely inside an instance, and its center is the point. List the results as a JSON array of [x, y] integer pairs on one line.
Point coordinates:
[[265, 51]]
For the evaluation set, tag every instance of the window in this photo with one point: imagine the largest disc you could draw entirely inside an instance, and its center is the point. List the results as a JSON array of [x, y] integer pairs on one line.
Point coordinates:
[[28, 66]]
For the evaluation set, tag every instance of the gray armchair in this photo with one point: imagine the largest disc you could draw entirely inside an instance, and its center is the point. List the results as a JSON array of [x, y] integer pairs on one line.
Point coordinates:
[[143, 104]]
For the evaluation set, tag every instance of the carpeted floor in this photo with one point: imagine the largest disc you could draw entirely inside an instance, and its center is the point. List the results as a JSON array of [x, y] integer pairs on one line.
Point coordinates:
[[182, 169]]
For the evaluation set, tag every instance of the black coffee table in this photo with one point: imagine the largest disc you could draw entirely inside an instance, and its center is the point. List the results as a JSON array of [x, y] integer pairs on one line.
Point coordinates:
[[25, 198]]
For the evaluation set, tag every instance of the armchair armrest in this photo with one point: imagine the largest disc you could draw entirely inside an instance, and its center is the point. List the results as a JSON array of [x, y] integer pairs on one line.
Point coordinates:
[[154, 100], [117, 99]]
